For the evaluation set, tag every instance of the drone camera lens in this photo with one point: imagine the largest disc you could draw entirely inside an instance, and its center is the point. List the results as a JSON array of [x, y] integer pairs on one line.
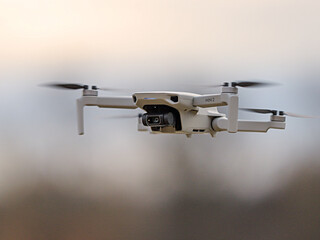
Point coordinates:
[[158, 119], [153, 120]]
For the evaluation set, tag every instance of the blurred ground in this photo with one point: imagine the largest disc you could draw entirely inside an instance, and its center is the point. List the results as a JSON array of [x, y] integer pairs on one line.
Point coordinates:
[[48, 212]]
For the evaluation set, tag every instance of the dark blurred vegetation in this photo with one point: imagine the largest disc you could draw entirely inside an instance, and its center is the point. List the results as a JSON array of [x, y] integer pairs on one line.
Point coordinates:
[[48, 212]]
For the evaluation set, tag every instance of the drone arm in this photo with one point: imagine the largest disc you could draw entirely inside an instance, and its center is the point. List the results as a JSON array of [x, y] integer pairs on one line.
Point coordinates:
[[233, 109], [108, 102], [102, 102], [80, 107], [215, 100], [221, 124]]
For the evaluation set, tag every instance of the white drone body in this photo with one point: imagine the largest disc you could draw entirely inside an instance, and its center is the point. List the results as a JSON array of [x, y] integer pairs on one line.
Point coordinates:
[[180, 112]]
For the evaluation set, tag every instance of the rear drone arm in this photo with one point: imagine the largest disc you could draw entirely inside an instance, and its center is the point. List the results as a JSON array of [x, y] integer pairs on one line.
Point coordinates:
[[228, 97], [221, 124], [102, 102]]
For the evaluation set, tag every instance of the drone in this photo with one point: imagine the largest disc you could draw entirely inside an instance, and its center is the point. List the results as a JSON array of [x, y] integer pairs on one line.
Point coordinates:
[[186, 113]]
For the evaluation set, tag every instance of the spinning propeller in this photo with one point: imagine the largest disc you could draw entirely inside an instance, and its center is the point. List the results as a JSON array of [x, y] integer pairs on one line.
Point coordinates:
[[75, 86], [275, 112], [244, 84]]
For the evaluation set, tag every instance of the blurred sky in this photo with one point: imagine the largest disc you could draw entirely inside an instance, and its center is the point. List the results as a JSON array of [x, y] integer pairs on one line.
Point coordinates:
[[154, 45]]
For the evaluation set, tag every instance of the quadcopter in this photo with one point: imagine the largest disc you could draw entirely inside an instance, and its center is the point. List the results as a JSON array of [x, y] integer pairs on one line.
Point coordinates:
[[186, 113]]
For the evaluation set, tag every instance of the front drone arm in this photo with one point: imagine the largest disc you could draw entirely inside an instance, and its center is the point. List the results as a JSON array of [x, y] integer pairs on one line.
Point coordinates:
[[228, 98], [102, 102], [221, 124]]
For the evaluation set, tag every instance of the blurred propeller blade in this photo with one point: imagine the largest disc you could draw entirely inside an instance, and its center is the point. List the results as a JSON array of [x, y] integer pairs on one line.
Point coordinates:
[[114, 89], [299, 115], [252, 84], [72, 86], [274, 112], [75, 86], [262, 111], [255, 83]]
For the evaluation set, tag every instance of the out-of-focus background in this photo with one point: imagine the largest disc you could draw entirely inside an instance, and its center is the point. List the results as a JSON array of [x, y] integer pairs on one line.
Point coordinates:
[[117, 183]]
